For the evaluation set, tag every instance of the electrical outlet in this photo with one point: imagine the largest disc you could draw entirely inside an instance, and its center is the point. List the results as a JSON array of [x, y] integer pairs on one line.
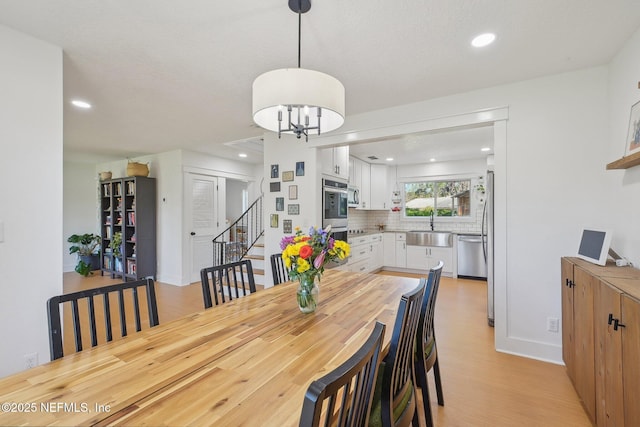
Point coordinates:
[[553, 324], [31, 360]]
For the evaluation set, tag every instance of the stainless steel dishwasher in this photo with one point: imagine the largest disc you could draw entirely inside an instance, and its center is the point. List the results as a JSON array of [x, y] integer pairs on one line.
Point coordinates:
[[471, 259]]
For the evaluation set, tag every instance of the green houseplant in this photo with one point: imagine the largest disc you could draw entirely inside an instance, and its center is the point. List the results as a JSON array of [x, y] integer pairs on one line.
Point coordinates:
[[116, 248], [86, 246], [116, 244]]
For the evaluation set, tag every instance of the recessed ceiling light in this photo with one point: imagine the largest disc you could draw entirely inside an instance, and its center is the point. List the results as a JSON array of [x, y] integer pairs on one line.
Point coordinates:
[[80, 104], [389, 159], [432, 159], [485, 149], [483, 40], [243, 155]]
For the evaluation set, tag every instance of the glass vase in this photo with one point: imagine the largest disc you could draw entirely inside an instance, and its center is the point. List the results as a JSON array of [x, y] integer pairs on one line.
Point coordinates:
[[308, 294]]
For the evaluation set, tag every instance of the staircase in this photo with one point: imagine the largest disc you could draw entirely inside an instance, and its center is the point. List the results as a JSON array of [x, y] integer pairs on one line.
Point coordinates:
[[257, 257], [243, 239]]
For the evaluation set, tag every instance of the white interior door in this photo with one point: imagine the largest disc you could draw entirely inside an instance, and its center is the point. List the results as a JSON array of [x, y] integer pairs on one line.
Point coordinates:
[[204, 220]]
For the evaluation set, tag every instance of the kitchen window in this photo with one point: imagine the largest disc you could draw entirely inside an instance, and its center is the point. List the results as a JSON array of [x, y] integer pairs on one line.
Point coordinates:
[[445, 198]]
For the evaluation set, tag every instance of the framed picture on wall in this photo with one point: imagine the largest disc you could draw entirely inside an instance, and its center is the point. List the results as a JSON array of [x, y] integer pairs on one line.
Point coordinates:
[[299, 168], [275, 171], [293, 209], [287, 176], [280, 203], [274, 220], [274, 187], [293, 192], [633, 134], [287, 226]]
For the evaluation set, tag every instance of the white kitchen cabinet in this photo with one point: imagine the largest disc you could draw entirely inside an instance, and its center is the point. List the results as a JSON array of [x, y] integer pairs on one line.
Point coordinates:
[[394, 249], [355, 172], [335, 162], [377, 253], [366, 253], [427, 257], [389, 249], [379, 188], [401, 250], [365, 185]]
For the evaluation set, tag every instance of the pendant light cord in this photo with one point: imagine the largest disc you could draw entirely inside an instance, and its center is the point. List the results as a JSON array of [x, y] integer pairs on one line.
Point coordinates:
[[299, 28]]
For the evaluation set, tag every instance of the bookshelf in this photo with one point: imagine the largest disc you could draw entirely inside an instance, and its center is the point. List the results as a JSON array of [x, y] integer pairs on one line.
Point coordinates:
[[128, 207]]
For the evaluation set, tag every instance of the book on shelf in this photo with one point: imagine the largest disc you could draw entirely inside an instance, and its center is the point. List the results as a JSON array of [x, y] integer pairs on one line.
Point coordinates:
[[118, 189], [131, 218], [131, 267], [106, 190], [131, 188]]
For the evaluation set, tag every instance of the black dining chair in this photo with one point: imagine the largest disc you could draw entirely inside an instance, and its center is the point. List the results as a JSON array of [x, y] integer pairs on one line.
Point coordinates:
[[394, 402], [226, 282], [123, 298], [426, 355], [343, 396], [278, 270]]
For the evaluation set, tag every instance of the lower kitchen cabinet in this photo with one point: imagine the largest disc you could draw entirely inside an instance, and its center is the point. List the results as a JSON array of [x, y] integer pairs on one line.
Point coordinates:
[[427, 257], [394, 249], [601, 339], [366, 253]]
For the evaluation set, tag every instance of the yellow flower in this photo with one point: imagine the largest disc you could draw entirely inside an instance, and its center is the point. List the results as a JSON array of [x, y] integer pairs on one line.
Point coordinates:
[[303, 265], [287, 263]]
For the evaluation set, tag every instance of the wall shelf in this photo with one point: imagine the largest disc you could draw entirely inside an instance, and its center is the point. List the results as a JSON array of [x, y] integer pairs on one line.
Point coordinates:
[[625, 162]]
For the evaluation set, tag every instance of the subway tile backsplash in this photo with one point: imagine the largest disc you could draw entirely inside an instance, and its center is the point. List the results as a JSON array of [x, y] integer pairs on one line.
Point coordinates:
[[370, 220]]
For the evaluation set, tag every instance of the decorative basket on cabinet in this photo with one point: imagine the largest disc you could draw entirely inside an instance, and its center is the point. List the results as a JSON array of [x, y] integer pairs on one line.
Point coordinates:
[[137, 169]]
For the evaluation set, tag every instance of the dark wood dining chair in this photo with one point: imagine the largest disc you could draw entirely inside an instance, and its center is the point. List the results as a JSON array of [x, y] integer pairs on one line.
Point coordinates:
[[394, 402], [278, 270], [426, 356], [343, 396], [226, 282], [122, 298]]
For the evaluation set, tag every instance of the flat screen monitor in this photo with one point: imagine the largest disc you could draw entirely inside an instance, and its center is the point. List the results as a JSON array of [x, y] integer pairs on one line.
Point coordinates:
[[594, 246]]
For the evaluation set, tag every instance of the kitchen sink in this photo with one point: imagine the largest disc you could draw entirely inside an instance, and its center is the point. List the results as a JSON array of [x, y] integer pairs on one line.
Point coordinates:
[[442, 239]]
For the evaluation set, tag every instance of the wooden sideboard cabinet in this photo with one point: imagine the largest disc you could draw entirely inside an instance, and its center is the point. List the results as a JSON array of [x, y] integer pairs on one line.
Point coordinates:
[[601, 339]]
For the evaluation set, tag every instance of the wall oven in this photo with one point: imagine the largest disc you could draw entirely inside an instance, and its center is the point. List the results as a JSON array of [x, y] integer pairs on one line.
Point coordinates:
[[335, 207]]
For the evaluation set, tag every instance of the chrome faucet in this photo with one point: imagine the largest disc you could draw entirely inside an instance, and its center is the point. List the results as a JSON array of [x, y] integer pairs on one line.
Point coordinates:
[[431, 221]]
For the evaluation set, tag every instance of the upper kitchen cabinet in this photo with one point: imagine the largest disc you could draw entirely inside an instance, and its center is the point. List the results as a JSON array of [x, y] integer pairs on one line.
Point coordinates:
[[380, 194], [335, 162], [355, 172]]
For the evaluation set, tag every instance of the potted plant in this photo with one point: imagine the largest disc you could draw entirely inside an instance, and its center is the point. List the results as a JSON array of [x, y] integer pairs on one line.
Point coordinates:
[[86, 246], [116, 244], [116, 248]]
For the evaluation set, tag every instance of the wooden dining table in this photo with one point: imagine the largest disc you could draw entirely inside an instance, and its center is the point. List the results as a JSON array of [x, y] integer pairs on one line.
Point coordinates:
[[246, 362]]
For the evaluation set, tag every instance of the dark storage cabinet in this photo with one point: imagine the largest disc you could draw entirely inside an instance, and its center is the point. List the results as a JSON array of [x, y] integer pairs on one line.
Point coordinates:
[[128, 206]]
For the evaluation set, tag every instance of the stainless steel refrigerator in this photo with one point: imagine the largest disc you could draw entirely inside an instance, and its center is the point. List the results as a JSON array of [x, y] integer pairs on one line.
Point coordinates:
[[487, 244]]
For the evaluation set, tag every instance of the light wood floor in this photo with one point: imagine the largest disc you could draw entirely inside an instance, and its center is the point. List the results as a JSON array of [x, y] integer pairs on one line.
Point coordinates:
[[481, 386]]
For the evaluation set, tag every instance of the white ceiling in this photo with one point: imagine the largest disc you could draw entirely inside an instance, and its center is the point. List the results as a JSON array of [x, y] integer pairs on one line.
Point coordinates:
[[422, 147], [164, 74]]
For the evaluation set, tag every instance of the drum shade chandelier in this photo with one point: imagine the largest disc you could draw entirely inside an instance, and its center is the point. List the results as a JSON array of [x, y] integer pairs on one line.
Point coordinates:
[[305, 100]]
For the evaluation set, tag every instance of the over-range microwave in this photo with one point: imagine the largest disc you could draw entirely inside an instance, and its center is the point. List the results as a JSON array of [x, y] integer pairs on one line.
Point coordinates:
[[353, 197]]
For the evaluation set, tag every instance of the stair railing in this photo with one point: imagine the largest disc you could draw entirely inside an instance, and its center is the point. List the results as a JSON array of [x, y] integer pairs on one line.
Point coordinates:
[[233, 243]]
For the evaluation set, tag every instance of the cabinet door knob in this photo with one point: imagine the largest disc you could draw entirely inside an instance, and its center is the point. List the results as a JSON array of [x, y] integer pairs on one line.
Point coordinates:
[[610, 320]]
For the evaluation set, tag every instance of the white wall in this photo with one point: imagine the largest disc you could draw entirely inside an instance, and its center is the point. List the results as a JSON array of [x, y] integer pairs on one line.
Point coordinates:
[[286, 152], [79, 206], [31, 194], [234, 199], [623, 186]]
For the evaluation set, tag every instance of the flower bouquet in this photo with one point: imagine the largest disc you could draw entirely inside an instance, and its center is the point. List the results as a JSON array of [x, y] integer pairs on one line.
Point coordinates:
[[305, 256]]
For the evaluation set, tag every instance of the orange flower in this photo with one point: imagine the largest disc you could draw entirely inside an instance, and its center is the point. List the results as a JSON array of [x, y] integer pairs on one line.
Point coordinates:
[[306, 251]]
